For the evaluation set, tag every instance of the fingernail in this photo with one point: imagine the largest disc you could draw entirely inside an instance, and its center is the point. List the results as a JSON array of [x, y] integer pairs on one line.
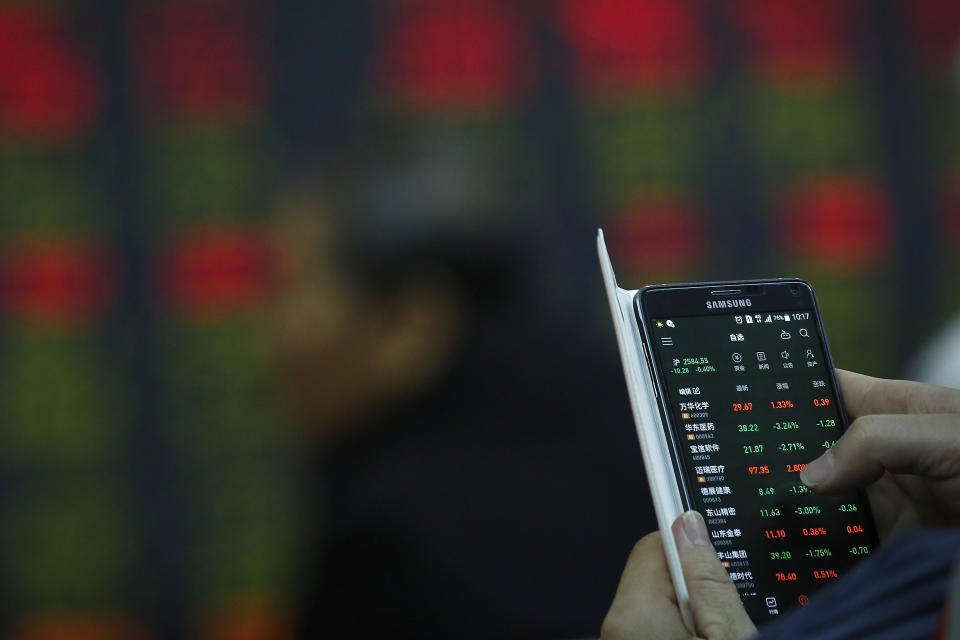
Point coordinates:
[[817, 471], [694, 529]]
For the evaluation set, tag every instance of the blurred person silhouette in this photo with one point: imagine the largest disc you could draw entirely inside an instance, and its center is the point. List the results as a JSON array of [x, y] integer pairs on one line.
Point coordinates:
[[937, 362], [475, 456]]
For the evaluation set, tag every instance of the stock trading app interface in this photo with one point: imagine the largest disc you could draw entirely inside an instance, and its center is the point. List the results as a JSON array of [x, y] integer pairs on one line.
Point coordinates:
[[751, 401]]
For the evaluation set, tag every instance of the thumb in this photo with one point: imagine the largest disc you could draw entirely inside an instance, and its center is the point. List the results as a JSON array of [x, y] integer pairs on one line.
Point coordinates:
[[717, 609], [920, 444]]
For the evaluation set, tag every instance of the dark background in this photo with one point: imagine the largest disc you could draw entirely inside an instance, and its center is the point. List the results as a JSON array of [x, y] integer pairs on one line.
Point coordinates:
[[157, 479]]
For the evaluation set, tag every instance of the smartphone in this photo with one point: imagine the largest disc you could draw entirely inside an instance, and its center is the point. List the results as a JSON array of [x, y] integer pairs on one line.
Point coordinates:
[[746, 394]]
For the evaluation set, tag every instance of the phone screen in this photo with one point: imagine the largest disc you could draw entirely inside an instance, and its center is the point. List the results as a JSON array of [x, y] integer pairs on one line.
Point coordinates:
[[750, 400]]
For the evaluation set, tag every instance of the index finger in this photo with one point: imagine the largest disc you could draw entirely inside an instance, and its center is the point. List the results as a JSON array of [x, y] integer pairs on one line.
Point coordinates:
[[866, 395]]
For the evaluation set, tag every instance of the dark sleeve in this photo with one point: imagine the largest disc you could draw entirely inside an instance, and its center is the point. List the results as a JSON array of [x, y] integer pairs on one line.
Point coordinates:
[[896, 594]]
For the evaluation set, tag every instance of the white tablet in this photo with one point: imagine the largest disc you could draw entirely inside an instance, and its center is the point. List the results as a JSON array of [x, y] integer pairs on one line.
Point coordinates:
[[646, 415]]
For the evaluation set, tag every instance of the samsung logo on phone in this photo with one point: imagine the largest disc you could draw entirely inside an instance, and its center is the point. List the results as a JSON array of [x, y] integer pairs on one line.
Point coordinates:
[[729, 304]]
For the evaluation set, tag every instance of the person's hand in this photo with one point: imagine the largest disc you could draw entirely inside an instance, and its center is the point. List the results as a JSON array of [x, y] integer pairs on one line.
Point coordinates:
[[646, 605], [903, 446]]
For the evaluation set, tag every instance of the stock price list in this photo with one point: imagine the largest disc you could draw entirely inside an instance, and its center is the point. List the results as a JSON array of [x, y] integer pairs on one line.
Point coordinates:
[[751, 403]]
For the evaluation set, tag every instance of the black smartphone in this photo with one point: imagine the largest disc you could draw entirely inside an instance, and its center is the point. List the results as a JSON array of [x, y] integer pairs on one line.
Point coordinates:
[[748, 395]]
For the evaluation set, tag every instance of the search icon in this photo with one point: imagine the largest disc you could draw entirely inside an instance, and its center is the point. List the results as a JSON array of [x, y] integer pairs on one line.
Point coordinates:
[[804, 333]]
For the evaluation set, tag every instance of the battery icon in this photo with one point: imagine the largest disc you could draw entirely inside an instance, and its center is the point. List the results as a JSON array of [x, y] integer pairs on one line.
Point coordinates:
[[786, 317]]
